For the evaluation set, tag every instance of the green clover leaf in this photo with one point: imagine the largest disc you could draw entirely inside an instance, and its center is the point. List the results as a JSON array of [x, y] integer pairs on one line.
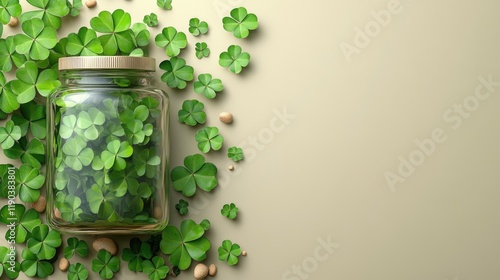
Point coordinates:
[[177, 73], [155, 268], [208, 86], [31, 153], [208, 138], [121, 181], [151, 20], [146, 162], [89, 122], [74, 7], [79, 247], [70, 208], [197, 27], [51, 12], [77, 272], [205, 224], [229, 211], [24, 221], [85, 43], [68, 126], [141, 34], [37, 40], [192, 113], [8, 99], [184, 245], [44, 242], [136, 254], [33, 266], [9, 56], [4, 180], [235, 153], [234, 59], [77, 154], [105, 264], [229, 252], [164, 4], [11, 268], [8, 9], [30, 182], [171, 40], [182, 207], [202, 50], [115, 26], [32, 119], [195, 172], [9, 135], [29, 82], [240, 22], [115, 154]]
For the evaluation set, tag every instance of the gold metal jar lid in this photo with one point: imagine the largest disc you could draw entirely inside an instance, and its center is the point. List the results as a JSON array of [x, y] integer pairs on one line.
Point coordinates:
[[107, 62]]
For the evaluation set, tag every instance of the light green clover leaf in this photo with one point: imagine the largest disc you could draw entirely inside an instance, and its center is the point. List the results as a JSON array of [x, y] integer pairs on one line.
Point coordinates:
[[9, 135], [8, 9], [74, 7], [197, 27], [115, 154], [192, 113], [171, 40], [151, 20], [77, 154], [30, 182], [229, 252], [70, 209], [9, 56], [240, 22], [202, 50], [44, 242], [29, 82], [68, 126], [208, 86], [177, 73], [77, 272], [141, 34], [51, 12], [105, 264], [89, 121], [208, 138], [164, 4], [8, 99], [85, 43], [155, 268], [33, 266], [37, 40], [234, 59], [115, 26], [195, 172]]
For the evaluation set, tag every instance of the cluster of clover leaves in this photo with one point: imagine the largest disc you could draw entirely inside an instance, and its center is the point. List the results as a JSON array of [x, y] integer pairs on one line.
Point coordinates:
[[110, 179]]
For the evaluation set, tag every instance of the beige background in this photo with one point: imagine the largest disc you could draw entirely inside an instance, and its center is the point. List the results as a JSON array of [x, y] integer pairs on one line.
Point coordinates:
[[320, 174]]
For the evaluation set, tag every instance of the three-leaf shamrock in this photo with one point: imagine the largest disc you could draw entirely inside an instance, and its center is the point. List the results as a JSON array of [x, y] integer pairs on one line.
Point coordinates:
[[115, 154], [9, 135], [230, 211], [8, 54], [85, 43], [192, 113], [240, 22], [31, 153], [10, 267], [229, 252], [184, 245], [30, 182], [44, 242], [37, 40], [177, 73], [208, 86], [171, 40], [29, 81], [51, 12], [208, 138], [105, 264], [74, 7], [77, 272], [32, 119], [33, 266], [234, 59], [89, 121], [136, 254], [151, 20], [197, 27], [8, 9], [79, 247], [235, 153], [202, 50], [77, 154], [195, 172], [8, 99], [182, 207], [155, 268], [24, 220], [115, 26]]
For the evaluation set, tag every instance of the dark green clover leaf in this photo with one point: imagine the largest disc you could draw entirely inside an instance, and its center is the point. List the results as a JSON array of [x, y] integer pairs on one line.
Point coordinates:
[[240, 22], [77, 272], [195, 172], [37, 41], [177, 73], [31, 153], [33, 266], [155, 268], [8, 99], [89, 121], [171, 40], [24, 221], [105, 264], [70, 208], [234, 59], [184, 245], [208, 86], [235, 153], [74, 7], [136, 254], [115, 154], [30, 182], [230, 211], [7, 266], [85, 43], [208, 138], [229, 252], [9, 135], [197, 27], [151, 20], [192, 113], [164, 4], [115, 26], [79, 247], [32, 119], [141, 34], [182, 207], [29, 82], [77, 154], [44, 242], [51, 12], [8, 9], [205, 224], [9, 56], [121, 181], [202, 50], [147, 162]]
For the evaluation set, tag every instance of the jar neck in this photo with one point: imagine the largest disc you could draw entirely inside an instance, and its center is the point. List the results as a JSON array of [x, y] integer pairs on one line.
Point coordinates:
[[120, 78]]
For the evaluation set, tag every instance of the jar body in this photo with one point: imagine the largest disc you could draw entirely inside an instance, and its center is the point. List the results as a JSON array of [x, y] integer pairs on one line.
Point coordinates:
[[107, 154]]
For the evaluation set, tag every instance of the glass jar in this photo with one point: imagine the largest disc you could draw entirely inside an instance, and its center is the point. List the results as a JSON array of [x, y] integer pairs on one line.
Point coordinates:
[[107, 147]]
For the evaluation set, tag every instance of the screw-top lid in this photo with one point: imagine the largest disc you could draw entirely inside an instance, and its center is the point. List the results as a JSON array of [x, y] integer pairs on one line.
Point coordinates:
[[107, 62]]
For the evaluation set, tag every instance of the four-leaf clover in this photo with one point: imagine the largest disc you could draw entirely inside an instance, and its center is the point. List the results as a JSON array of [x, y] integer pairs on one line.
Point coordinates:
[[240, 22], [229, 252], [37, 40], [177, 73], [234, 59], [192, 113], [197, 27], [230, 211], [195, 172], [208, 86], [171, 40], [85, 43], [105, 264], [208, 138], [115, 26]]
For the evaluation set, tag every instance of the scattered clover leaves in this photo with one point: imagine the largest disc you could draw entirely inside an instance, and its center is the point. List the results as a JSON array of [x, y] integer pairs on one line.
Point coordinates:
[[30, 182], [77, 272], [33, 266], [44, 242], [234, 59], [195, 172], [182, 207], [37, 39], [51, 12], [151, 20], [192, 113], [202, 50], [229, 252], [79, 247], [9, 135], [137, 253], [85, 43], [155, 268], [208, 138], [230, 211], [164, 4], [177, 73], [197, 27], [208, 86], [24, 221], [105, 264], [116, 29], [240, 22], [8, 9], [235, 153], [171, 40]]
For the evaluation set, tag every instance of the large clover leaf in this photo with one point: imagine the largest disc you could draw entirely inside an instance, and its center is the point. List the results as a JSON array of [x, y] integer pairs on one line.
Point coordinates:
[[115, 26], [44, 242], [24, 221], [37, 41], [9, 135], [171, 40], [30, 181], [240, 22], [195, 172], [8, 99], [8, 9], [184, 245], [208, 86], [177, 73], [29, 82], [33, 266], [77, 154], [136, 254], [85, 43], [141, 34], [234, 59], [51, 12], [105, 264], [208, 138], [192, 113]]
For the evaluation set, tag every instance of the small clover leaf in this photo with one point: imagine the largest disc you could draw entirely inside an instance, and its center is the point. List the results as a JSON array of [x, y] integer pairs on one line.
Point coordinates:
[[155, 268], [202, 50], [197, 27], [85, 43], [115, 26], [33, 266], [11, 268], [77, 272], [192, 113], [8, 54], [136, 254], [240, 22], [9, 135], [229, 252], [74, 7], [234, 59], [171, 40], [177, 73], [164, 4], [32, 119], [8, 9], [77, 154], [184, 245], [205, 224], [230, 211], [151, 20], [79, 247], [208, 138], [235, 153], [195, 172], [115, 154], [89, 121], [51, 12], [141, 34], [24, 221], [208, 86], [182, 207], [44, 242], [37, 40], [105, 264], [8, 99]]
